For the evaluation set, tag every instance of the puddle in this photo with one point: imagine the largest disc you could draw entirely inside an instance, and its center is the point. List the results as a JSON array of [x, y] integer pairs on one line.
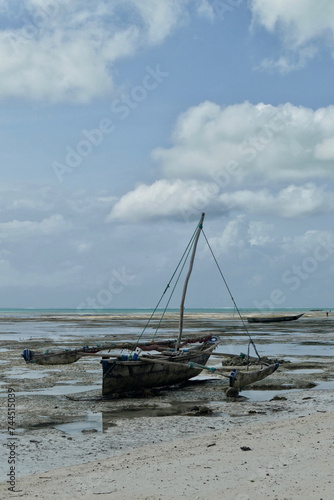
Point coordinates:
[[328, 384], [266, 395], [102, 421], [282, 349], [92, 423], [63, 389], [74, 382], [307, 371], [20, 375], [254, 396]]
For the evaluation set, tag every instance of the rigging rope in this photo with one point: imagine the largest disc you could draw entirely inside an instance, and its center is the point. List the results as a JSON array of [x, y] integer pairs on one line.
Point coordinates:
[[229, 291], [184, 256], [190, 245], [184, 260]]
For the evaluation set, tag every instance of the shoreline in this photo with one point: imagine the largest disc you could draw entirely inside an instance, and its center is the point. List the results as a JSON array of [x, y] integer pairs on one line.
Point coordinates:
[[286, 459]]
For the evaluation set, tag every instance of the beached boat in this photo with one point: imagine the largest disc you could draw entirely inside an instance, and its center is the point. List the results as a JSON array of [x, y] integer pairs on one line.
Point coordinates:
[[137, 371], [68, 356], [273, 319], [173, 366], [240, 379], [58, 356], [161, 370]]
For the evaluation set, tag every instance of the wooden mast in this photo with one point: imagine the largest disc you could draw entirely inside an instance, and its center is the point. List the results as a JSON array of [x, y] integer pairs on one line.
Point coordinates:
[[200, 225]]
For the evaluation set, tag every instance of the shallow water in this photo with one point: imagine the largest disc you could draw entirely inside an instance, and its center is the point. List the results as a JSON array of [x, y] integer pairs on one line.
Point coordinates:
[[309, 337]]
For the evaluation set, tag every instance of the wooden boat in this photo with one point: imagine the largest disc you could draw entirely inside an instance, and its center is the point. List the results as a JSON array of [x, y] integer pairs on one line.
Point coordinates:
[[165, 368], [239, 380], [273, 319], [138, 371], [68, 356], [57, 357], [145, 372]]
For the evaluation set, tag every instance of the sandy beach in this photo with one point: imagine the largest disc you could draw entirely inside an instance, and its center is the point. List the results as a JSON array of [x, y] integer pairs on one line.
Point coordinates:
[[283, 460], [275, 441]]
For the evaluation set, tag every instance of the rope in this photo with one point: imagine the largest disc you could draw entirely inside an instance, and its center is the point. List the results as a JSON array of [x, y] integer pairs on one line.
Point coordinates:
[[187, 251], [184, 263], [235, 305]]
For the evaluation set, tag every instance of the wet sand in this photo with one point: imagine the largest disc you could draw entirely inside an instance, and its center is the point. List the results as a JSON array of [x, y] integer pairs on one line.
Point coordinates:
[[62, 420]]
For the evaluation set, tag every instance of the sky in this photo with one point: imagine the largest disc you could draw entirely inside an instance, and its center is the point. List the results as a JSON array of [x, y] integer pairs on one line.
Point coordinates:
[[123, 120]]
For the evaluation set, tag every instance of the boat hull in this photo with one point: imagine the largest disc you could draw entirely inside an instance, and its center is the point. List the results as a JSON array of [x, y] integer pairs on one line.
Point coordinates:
[[272, 319], [126, 376], [53, 357], [239, 380]]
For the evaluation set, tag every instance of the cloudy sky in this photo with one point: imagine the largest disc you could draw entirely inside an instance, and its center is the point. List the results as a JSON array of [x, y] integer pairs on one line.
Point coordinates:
[[123, 120]]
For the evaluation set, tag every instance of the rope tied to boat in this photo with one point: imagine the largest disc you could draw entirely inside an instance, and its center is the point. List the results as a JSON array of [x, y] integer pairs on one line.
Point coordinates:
[[232, 298], [182, 262]]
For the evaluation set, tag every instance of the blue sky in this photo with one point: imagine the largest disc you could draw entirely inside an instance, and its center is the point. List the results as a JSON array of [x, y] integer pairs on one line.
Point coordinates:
[[123, 120]]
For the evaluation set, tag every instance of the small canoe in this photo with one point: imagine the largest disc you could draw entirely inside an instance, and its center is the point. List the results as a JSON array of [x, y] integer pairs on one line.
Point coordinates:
[[272, 319]]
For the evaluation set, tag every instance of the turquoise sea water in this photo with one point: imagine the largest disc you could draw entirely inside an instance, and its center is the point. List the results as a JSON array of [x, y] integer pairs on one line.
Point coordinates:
[[27, 312]]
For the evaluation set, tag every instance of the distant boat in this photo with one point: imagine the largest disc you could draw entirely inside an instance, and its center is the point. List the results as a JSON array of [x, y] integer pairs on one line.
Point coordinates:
[[272, 319]]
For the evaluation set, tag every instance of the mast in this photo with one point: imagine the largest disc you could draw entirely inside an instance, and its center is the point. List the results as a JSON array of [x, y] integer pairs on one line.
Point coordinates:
[[200, 225]]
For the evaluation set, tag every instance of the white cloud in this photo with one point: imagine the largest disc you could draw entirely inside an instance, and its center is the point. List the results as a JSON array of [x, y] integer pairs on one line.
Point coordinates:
[[248, 158], [246, 143], [164, 199], [260, 233], [324, 150], [14, 277], [233, 238], [290, 202], [302, 25], [186, 199], [66, 50], [252, 238], [205, 9], [289, 62], [160, 18], [298, 21], [53, 238], [307, 242], [17, 198], [17, 229]]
